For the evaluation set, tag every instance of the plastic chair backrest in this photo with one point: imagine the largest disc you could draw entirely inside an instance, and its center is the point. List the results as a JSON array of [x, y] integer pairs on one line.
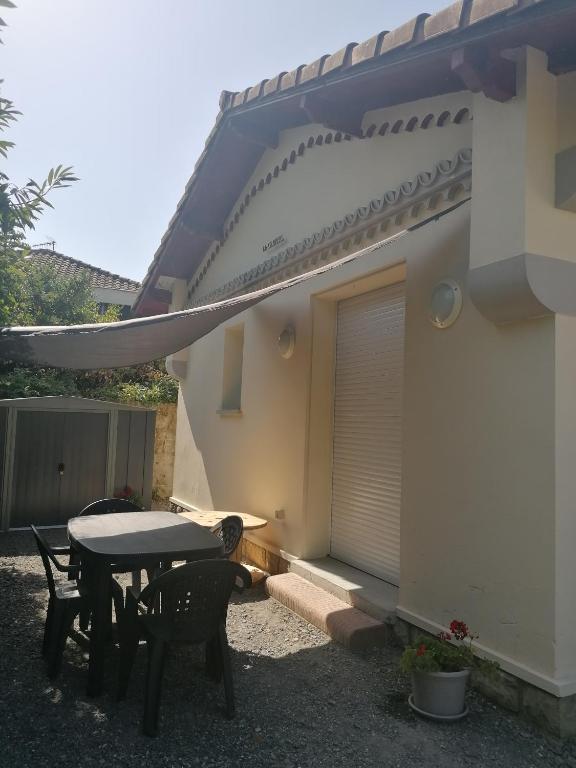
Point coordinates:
[[230, 531], [187, 604], [109, 506]]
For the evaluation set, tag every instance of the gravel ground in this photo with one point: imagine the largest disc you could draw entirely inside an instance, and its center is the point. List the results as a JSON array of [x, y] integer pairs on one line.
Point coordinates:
[[301, 700]]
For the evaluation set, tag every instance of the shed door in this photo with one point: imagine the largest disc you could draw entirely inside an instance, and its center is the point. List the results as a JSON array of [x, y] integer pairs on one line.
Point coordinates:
[[44, 440], [85, 456], [367, 471]]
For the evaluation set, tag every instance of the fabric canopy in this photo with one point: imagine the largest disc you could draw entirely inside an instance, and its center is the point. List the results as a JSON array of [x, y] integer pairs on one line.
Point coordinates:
[[130, 342]]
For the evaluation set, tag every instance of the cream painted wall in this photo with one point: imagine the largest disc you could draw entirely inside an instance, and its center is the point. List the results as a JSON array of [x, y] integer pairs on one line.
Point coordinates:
[[515, 146], [490, 437], [333, 180], [251, 462], [565, 453], [477, 536], [478, 509]]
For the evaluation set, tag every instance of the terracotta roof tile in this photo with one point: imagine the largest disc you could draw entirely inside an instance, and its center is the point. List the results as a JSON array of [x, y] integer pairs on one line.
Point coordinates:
[[410, 32], [482, 8], [256, 91], [69, 267], [369, 49], [446, 20], [289, 79], [226, 99], [312, 71], [273, 85], [339, 59]]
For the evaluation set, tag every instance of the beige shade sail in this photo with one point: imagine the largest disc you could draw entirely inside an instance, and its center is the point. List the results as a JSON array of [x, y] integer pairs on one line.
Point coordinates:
[[140, 340]]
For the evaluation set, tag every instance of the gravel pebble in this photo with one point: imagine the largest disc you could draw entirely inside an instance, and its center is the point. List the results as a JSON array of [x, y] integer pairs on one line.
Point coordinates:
[[302, 702]]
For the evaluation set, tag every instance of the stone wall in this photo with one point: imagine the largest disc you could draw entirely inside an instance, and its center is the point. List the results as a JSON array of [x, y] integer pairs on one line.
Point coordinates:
[[164, 445]]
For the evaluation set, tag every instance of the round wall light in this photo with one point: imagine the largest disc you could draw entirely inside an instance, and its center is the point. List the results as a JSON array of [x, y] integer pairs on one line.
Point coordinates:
[[286, 342], [445, 303]]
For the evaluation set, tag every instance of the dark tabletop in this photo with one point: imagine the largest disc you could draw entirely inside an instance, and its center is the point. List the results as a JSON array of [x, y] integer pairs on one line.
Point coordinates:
[[142, 535]]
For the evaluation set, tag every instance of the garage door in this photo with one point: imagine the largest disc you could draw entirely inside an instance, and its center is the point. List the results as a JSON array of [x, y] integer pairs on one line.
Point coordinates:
[[367, 450]]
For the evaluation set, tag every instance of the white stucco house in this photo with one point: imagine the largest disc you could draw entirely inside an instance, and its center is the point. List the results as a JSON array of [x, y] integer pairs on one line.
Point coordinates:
[[413, 413]]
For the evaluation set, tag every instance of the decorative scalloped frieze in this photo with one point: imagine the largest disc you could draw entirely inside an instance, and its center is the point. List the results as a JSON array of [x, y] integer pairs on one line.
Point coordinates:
[[425, 192], [457, 116]]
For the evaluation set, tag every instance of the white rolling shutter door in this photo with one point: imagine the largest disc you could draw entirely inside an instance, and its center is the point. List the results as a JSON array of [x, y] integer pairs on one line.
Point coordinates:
[[367, 451]]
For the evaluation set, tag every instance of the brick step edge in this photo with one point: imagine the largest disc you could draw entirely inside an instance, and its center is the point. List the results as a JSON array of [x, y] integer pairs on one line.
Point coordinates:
[[344, 624]]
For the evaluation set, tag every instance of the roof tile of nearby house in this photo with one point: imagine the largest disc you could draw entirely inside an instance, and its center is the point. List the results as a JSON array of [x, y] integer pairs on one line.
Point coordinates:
[[461, 23], [69, 267]]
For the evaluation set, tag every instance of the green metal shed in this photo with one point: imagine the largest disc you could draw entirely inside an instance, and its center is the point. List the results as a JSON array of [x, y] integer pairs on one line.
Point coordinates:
[[57, 454]]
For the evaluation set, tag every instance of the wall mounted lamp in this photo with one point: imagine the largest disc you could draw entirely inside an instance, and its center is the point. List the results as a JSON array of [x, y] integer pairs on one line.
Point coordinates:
[[445, 303], [286, 342]]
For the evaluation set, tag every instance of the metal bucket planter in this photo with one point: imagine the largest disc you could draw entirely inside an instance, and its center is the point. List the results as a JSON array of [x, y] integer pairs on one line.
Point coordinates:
[[440, 695]]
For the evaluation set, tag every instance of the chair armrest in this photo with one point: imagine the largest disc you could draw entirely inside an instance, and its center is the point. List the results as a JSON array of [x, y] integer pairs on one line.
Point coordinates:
[[73, 569]]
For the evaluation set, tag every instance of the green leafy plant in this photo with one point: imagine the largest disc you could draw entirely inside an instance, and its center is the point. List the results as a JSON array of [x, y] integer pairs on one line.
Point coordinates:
[[448, 652]]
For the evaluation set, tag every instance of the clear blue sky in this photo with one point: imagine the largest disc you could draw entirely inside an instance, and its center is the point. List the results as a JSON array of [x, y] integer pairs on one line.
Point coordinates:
[[127, 91]]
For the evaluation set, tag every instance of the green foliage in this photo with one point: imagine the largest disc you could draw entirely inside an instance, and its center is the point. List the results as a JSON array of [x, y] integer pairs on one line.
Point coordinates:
[[144, 384], [436, 655], [51, 299], [448, 652], [35, 382], [5, 4], [12, 278]]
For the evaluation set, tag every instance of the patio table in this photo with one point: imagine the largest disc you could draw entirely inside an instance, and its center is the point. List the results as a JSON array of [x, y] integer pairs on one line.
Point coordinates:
[[133, 540]]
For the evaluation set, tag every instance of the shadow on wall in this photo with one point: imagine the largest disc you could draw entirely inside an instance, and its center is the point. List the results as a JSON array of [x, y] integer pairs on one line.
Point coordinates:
[[193, 457]]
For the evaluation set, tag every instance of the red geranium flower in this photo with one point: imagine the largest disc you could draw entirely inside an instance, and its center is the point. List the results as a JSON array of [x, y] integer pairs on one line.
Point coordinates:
[[125, 493], [421, 650], [459, 629]]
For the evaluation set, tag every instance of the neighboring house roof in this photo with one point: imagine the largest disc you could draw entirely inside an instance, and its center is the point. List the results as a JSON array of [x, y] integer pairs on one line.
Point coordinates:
[[69, 267], [455, 49]]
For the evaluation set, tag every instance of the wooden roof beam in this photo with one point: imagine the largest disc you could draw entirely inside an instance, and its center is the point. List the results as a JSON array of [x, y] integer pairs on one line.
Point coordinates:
[[486, 72], [341, 116]]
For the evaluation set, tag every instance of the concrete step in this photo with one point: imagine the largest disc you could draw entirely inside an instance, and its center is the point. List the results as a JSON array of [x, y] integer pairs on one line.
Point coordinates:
[[340, 621], [373, 596]]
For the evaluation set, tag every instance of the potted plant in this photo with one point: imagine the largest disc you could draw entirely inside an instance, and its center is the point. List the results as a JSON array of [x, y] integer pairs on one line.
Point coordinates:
[[440, 668]]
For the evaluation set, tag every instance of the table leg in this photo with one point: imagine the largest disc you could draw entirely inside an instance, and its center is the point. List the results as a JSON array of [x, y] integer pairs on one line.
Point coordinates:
[[101, 601]]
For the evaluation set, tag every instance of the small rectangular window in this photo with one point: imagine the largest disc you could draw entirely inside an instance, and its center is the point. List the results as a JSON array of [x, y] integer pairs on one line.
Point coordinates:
[[232, 372]]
